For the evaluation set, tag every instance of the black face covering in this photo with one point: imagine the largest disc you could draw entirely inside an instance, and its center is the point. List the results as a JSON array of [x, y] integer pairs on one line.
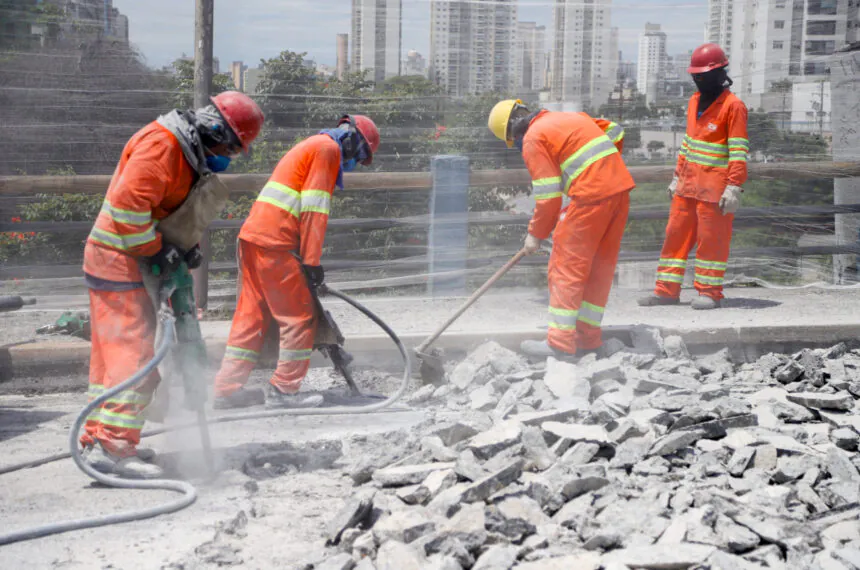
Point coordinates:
[[711, 83], [711, 86]]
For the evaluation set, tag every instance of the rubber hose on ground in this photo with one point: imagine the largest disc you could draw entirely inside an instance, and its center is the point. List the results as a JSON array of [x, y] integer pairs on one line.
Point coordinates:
[[189, 493], [332, 411]]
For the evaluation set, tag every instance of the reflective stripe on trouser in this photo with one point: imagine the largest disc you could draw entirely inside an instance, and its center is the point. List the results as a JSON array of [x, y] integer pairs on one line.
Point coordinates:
[[273, 291], [123, 333], [581, 270], [693, 223]]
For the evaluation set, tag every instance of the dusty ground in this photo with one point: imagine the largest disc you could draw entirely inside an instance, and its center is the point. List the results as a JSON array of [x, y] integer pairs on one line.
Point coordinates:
[[526, 310], [282, 519]]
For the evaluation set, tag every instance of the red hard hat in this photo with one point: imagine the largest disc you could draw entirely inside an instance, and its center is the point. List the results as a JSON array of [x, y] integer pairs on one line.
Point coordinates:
[[707, 57], [367, 129], [242, 114]]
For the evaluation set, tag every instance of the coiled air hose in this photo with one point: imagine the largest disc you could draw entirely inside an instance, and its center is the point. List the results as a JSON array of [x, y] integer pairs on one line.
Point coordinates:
[[189, 493]]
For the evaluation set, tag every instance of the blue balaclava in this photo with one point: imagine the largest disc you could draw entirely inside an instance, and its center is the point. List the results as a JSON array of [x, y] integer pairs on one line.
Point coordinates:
[[347, 163]]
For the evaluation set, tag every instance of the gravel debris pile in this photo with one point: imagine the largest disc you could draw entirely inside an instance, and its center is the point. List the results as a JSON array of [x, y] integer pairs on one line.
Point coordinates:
[[649, 458]]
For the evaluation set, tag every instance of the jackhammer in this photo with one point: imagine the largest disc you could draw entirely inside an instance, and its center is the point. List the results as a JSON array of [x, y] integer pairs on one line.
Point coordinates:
[[188, 351]]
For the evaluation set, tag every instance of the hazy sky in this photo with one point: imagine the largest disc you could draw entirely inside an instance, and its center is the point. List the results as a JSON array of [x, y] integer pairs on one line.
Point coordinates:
[[249, 30]]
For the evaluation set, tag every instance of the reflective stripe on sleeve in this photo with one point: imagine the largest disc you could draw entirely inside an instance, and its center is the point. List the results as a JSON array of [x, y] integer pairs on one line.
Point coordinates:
[[547, 188], [318, 201], [122, 242], [615, 132], [282, 197], [126, 216]]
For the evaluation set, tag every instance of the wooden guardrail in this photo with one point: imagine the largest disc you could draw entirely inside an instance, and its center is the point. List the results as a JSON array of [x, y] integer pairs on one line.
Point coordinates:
[[238, 183], [444, 220]]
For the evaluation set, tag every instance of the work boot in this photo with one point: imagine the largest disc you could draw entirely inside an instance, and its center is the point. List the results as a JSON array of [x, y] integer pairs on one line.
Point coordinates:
[[277, 399], [541, 349], [705, 303], [241, 398], [145, 454], [655, 300], [126, 467]]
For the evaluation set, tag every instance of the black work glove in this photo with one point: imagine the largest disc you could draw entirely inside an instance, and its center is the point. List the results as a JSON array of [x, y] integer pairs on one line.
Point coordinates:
[[315, 275], [194, 257], [166, 260]]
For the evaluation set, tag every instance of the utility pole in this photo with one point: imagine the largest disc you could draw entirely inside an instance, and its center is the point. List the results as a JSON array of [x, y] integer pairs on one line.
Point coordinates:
[[203, 41], [621, 105], [821, 110]]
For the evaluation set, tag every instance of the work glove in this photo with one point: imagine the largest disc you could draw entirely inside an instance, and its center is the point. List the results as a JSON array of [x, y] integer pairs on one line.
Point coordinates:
[[531, 245], [673, 187], [315, 275], [731, 200], [194, 257], [167, 259]]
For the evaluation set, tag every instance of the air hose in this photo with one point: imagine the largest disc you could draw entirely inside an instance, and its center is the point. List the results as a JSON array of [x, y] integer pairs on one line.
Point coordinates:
[[189, 493]]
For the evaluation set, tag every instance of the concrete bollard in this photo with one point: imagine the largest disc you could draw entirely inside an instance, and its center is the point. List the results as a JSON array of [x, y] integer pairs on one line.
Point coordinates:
[[845, 84], [448, 238]]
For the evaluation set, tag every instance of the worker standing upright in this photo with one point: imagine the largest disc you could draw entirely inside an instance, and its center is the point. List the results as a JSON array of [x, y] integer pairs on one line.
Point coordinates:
[[280, 245], [707, 186], [159, 166], [573, 154]]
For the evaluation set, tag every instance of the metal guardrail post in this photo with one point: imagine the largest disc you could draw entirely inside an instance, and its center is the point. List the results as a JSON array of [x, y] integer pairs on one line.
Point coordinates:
[[448, 242], [845, 115]]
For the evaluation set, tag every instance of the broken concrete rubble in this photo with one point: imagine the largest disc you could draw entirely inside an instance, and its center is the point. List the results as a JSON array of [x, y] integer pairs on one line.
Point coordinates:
[[634, 461]]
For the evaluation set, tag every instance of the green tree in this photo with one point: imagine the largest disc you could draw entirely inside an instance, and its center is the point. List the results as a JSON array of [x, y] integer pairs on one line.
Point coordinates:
[[286, 87], [654, 146], [767, 139], [182, 83], [632, 138], [329, 99]]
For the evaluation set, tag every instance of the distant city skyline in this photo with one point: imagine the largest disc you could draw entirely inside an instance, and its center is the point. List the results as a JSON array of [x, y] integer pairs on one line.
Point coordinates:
[[260, 29]]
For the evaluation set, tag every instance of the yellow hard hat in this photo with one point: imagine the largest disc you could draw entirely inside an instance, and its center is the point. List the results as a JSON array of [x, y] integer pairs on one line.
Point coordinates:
[[499, 118]]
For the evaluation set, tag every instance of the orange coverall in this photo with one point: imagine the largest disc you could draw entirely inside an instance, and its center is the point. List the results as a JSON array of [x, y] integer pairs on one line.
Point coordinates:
[[151, 181], [713, 156], [289, 218], [574, 154]]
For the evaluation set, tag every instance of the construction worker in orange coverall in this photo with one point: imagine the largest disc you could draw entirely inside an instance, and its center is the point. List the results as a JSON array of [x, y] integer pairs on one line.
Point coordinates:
[[573, 154], [280, 246], [158, 168], [706, 190]]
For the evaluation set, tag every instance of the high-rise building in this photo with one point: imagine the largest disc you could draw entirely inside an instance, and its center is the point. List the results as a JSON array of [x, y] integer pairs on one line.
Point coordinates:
[[776, 40], [720, 23], [342, 55], [652, 63], [853, 18], [472, 45], [237, 74], [414, 64], [530, 56], [376, 37], [252, 79], [85, 17], [583, 69]]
